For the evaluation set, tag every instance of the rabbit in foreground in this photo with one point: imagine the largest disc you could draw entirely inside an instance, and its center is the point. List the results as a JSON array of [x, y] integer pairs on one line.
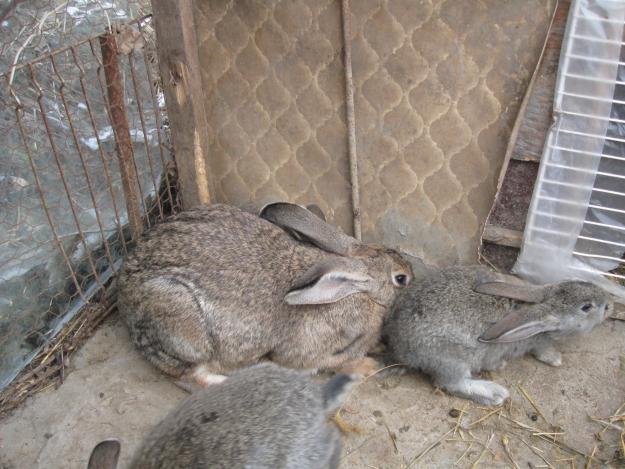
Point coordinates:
[[465, 319], [264, 416], [216, 288]]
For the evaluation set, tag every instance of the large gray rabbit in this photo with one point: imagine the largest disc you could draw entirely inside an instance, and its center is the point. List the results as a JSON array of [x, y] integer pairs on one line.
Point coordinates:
[[264, 416], [216, 288], [461, 320]]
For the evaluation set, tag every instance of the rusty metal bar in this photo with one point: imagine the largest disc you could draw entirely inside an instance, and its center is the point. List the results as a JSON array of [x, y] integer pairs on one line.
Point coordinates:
[[42, 198], [102, 87], [159, 123], [82, 160], [142, 196], [145, 133], [55, 153], [105, 165], [103, 93], [119, 120]]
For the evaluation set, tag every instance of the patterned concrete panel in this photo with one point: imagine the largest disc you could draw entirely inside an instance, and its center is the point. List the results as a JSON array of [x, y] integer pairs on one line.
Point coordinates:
[[274, 87], [438, 84]]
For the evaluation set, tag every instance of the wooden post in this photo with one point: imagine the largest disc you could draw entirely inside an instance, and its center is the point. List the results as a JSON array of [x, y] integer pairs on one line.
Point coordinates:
[[119, 121], [179, 64]]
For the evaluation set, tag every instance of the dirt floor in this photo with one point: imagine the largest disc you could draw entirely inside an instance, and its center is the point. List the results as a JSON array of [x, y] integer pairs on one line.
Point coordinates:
[[399, 421]]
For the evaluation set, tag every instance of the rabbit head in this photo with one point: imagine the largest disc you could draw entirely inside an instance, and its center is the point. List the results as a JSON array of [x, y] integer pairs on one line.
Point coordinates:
[[375, 270], [561, 309]]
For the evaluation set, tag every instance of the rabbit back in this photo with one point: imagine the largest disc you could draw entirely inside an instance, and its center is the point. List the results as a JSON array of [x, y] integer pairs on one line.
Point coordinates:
[[265, 416], [224, 243]]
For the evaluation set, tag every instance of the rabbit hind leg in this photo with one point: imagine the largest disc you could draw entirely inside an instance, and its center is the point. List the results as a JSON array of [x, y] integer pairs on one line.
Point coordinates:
[[170, 330], [190, 376], [548, 354], [199, 377]]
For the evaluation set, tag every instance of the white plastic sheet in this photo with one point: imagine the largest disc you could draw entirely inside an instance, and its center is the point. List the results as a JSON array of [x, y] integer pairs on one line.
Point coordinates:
[[576, 221]]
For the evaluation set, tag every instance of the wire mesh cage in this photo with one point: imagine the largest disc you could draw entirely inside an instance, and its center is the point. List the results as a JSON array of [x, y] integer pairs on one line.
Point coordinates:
[[30, 28], [86, 165]]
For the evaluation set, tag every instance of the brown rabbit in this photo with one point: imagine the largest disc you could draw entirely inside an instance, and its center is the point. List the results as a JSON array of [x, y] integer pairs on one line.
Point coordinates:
[[216, 288]]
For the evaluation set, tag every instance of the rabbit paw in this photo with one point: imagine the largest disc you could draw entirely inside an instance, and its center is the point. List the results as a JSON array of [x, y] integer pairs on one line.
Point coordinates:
[[378, 348], [548, 355], [204, 377], [486, 392], [364, 366]]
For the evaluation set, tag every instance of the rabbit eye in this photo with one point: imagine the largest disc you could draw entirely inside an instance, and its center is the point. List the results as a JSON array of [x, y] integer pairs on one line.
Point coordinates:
[[587, 307], [400, 280]]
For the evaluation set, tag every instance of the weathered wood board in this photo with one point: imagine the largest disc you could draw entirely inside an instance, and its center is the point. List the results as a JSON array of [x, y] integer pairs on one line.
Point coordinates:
[[503, 231]]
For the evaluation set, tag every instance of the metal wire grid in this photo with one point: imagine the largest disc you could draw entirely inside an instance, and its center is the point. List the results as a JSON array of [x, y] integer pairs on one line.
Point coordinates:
[[72, 176], [601, 241], [30, 28]]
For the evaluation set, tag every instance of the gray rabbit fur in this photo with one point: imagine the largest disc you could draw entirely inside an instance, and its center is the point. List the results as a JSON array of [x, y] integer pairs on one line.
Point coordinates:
[[264, 416], [462, 320], [215, 288]]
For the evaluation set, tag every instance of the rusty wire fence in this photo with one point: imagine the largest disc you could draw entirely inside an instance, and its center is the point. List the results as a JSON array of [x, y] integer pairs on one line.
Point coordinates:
[[86, 164], [30, 28]]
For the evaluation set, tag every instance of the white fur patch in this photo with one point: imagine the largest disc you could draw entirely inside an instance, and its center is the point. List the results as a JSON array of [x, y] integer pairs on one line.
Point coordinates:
[[488, 391], [203, 376]]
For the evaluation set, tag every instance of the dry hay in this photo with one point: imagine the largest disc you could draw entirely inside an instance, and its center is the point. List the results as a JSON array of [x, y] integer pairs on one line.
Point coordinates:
[[488, 436], [47, 369]]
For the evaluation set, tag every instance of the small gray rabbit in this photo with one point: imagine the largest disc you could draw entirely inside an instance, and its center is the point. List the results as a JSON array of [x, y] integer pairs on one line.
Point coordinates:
[[264, 416], [461, 320], [215, 288]]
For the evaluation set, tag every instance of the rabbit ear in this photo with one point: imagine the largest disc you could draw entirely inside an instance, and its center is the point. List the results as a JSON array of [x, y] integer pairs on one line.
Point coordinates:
[[305, 223], [105, 455], [517, 290], [329, 281], [314, 208], [336, 390], [518, 325]]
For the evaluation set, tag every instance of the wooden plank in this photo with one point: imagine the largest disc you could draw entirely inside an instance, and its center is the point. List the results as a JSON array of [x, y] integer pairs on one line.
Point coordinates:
[[501, 258], [537, 110], [531, 157], [180, 68], [502, 236], [514, 198], [538, 101]]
